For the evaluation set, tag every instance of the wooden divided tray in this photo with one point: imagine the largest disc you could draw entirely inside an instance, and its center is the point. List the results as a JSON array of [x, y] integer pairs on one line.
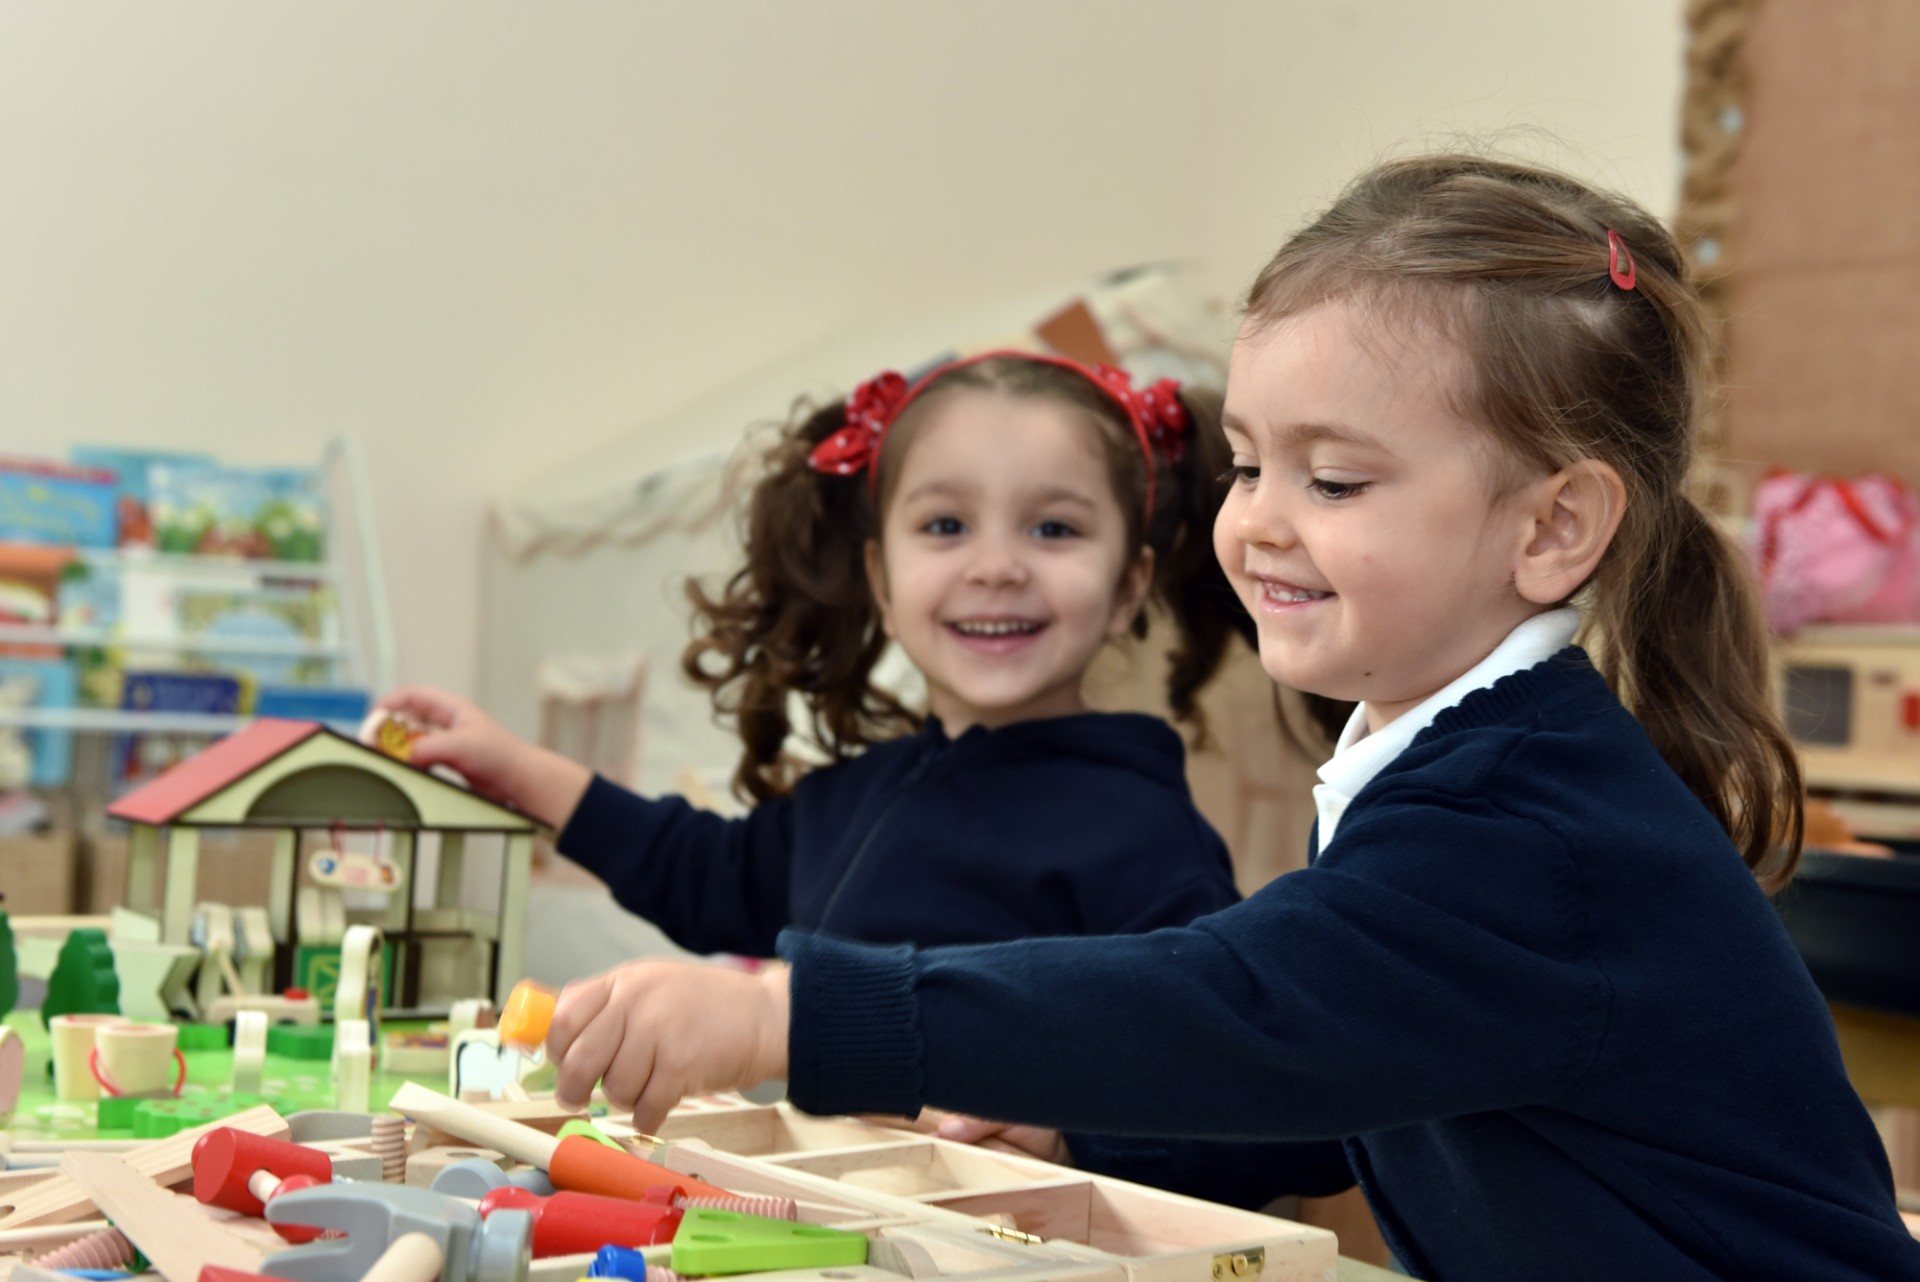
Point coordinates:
[[939, 1208]]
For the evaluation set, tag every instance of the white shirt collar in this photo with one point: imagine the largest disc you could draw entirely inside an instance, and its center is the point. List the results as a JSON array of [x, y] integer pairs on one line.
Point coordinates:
[[1359, 756]]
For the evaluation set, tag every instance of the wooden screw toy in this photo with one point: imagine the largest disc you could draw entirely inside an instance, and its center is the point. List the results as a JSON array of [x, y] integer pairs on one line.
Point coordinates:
[[243, 1172]]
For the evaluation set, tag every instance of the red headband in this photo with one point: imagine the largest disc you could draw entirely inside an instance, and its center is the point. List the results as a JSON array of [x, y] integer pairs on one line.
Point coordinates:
[[1159, 418]]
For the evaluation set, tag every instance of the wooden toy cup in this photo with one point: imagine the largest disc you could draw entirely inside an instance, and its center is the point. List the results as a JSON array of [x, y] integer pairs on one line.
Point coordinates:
[[138, 1059], [73, 1044]]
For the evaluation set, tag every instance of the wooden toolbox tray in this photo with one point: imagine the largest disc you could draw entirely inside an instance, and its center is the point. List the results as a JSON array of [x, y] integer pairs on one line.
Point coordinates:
[[930, 1208], [936, 1208]]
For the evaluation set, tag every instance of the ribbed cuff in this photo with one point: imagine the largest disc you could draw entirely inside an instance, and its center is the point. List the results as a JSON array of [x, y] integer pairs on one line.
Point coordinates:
[[854, 1039]]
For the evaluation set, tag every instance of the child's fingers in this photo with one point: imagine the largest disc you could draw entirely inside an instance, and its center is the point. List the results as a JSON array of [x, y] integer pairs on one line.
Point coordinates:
[[580, 1002], [627, 1077], [439, 748], [651, 1109], [590, 1058], [967, 1130], [423, 703]]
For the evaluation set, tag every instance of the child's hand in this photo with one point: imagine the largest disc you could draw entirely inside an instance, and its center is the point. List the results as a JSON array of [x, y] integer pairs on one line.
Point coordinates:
[[1029, 1141], [493, 759], [654, 1032]]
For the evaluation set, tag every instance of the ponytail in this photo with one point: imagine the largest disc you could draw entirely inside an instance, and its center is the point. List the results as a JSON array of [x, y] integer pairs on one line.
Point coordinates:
[[1683, 645], [797, 618], [1187, 579]]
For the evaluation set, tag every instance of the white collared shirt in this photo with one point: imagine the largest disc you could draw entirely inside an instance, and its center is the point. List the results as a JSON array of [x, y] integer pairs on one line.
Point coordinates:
[[1359, 756]]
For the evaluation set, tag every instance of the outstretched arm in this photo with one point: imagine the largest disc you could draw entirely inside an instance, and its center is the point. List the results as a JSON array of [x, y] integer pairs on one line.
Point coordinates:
[[1332, 1003]]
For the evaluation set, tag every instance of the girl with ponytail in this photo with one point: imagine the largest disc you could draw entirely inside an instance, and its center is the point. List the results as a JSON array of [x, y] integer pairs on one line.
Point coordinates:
[[1532, 975], [1003, 518]]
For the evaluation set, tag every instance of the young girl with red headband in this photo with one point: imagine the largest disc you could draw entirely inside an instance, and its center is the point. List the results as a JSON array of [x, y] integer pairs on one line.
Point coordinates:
[[1002, 518], [1532, 974]]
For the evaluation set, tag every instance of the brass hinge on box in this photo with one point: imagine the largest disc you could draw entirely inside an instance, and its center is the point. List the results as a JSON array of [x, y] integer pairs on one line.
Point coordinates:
[[1229, 1265], [1006, 1234]]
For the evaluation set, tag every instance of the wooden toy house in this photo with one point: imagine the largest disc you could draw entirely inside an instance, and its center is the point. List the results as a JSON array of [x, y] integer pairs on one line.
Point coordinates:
[[297, 778]]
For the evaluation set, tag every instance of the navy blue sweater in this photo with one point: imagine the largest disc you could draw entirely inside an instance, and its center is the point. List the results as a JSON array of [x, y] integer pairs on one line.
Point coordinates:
[[1532, 979], [1077, 825]]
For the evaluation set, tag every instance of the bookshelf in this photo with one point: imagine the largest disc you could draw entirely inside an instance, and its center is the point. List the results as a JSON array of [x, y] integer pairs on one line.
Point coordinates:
[[356, 652]]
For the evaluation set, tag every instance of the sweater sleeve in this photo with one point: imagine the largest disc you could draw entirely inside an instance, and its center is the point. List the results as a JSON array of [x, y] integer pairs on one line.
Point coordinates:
[[1434, 968], [1243, 1173], [713, 884]]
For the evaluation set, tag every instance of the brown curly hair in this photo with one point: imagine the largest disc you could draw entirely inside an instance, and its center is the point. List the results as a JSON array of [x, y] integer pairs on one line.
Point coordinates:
[[799, 618]]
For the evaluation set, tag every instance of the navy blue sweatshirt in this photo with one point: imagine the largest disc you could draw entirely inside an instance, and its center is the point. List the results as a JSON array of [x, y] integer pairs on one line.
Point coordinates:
[[1077, 825], [1532, 980]]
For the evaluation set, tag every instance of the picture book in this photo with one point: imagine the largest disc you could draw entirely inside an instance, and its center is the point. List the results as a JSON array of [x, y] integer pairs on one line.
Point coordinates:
[[271, 514], [58, 504]]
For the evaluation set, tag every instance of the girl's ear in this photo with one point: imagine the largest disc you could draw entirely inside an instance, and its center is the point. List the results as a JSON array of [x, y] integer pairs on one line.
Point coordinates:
[[1573, 516], [877, 582], [1131, 596]]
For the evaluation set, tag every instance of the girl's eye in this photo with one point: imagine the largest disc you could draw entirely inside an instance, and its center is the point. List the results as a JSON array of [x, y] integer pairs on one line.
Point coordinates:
[[1242, 474], [1336, 490], [943, 526], [1055, 530]]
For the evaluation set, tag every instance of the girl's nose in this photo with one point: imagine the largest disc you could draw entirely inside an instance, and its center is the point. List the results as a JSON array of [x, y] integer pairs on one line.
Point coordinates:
[[1263, 521], [996, 564]]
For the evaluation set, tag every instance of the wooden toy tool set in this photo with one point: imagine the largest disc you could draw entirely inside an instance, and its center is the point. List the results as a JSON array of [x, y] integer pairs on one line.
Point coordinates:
[[522, 1191]]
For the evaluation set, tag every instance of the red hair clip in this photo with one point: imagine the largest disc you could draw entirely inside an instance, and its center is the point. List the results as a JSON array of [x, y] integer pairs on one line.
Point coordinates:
[[1620, 268]]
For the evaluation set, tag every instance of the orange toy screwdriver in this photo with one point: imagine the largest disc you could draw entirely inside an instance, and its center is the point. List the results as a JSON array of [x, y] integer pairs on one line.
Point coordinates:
[[574, 1162]]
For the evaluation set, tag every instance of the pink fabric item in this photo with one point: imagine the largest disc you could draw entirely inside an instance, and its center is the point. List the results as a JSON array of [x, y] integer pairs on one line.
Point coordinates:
[[1834, 550]]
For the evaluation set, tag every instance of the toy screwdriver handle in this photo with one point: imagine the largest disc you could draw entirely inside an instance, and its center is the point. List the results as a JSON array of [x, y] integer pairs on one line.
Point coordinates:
[[582, 1165], [574, 1162]]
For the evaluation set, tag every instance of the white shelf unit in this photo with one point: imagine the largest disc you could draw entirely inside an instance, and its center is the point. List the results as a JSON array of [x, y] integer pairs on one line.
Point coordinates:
[[363, 655]]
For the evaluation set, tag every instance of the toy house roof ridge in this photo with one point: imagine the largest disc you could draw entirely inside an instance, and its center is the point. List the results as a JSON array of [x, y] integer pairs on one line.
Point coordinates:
[[207, 773]]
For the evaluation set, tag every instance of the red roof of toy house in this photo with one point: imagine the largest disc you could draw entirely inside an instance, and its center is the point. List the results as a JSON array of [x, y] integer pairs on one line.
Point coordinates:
[[200, 776]]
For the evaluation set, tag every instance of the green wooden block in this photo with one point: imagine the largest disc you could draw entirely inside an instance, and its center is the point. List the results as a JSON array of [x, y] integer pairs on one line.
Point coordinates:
[[316, 968], [155, 1119], [203, 1037], [714, 1242], [301, 1041], [115, 1112]]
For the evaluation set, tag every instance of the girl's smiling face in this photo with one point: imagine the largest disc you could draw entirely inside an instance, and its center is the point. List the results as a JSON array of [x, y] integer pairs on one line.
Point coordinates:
[[1003, 565], [1364, 531]]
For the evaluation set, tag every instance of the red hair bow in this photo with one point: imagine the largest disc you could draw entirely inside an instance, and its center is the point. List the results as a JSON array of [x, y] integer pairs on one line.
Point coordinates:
[[1159, 409], [1159, 417], [870, 412]]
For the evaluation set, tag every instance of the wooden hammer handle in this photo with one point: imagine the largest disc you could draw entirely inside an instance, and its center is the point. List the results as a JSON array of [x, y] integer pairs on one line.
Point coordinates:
[[475, 1125], [411, 1257]]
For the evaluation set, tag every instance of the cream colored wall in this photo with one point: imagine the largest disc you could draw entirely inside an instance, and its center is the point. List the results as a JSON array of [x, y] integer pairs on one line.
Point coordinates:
[[485, 235]]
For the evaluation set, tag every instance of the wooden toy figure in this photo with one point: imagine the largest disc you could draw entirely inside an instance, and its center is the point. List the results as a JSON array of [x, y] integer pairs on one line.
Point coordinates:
[[83, 980]]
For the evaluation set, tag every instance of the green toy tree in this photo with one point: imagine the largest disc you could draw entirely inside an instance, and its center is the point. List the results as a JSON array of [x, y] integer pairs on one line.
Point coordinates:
[[9, 967], [83, 981]]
